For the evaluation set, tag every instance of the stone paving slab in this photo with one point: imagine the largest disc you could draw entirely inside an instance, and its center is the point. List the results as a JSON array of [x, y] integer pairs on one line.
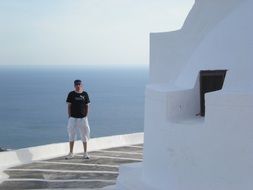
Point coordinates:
[[66, 166], [56, 185], [100, 171]]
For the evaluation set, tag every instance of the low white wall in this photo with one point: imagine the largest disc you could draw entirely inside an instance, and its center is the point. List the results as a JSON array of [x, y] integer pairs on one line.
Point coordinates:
[[28, 155], [177, 103]]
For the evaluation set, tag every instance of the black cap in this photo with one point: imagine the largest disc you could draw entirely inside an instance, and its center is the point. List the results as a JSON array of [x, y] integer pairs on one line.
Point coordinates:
[[77, 82]]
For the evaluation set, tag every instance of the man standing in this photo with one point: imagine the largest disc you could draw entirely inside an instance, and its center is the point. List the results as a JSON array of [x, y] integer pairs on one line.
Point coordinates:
[[78, 104]]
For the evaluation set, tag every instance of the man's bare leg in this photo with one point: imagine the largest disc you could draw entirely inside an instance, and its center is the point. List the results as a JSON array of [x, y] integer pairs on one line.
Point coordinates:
[[71, 146], [85, 155], [85, 146]]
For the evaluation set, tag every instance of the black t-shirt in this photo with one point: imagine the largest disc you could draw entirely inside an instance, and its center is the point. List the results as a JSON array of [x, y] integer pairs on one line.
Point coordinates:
[[78, 101]]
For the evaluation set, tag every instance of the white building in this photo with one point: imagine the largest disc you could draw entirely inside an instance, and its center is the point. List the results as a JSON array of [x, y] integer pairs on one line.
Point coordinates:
[[199, 103]]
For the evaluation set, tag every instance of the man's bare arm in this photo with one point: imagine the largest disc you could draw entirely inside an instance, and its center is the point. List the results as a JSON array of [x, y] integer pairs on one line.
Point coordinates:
[[69, 109], [86, 110]]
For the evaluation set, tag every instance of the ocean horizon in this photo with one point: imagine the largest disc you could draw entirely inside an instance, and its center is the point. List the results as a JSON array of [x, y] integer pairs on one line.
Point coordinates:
[[33, 109]]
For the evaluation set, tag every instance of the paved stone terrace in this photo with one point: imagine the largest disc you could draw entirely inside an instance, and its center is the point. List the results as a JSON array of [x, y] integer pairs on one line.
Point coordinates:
[[100, 171]]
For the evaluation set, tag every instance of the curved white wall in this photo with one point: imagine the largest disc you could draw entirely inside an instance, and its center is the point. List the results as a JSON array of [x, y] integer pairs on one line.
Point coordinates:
[[170, 51], [228, 46], [182, 151]]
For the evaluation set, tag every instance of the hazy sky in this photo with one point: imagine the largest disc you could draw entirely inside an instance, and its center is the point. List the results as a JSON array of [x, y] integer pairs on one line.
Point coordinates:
[[87, 32]]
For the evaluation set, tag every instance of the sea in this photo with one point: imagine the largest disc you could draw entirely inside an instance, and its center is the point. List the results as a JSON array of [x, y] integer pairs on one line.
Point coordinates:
[[33, 109]]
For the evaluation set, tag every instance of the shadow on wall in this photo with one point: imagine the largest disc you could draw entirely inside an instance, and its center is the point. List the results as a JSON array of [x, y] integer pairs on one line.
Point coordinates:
[[24, 155]]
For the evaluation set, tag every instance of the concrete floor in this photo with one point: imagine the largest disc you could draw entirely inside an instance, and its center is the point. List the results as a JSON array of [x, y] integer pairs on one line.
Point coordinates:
[[100, 171]]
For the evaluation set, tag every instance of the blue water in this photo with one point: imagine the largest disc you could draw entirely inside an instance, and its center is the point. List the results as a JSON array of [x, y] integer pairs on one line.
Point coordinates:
[[33, 110]]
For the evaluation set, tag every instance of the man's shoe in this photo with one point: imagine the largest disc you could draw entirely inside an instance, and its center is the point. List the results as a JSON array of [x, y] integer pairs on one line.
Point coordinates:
[[86, 156], [69, 156]]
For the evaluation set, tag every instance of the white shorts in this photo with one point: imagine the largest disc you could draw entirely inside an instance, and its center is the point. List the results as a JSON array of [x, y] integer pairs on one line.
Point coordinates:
[[80, 124]]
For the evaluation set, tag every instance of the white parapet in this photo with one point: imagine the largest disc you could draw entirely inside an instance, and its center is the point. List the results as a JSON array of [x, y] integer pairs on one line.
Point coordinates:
[[28, 155]]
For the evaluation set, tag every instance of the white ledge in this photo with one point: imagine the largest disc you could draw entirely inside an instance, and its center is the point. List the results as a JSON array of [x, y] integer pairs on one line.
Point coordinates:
[[28, 155]]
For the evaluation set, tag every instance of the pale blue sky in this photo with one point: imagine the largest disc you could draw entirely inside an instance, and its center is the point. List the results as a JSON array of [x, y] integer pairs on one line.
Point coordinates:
[[94, 32]]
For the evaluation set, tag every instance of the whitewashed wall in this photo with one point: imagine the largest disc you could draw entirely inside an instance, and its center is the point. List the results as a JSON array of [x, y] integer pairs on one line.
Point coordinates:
[[181, 150]]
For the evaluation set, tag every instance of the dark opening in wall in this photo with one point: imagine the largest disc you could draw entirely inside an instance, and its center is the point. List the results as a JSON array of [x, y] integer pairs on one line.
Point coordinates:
[[210, 80]]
